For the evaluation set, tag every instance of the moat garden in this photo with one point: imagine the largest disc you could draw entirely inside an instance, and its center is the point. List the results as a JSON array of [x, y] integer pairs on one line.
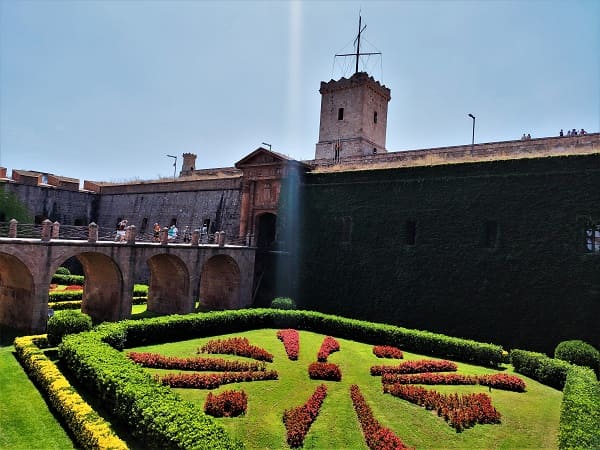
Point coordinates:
[[278, 378]]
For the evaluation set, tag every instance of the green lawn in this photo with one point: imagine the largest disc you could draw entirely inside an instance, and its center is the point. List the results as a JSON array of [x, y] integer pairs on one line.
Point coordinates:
[[25, 420], [529, 420]]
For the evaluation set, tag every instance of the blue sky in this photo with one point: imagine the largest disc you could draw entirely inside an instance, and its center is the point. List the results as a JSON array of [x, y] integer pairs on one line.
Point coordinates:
[[104, 90]]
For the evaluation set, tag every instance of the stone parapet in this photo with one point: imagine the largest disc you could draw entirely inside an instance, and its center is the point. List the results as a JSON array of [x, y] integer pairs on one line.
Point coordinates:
[[588, 143], [70, 184], [358, 79], [26, 177], [181, 185]]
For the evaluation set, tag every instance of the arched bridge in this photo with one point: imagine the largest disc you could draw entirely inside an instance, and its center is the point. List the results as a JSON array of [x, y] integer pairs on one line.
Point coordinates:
[[220, 275]]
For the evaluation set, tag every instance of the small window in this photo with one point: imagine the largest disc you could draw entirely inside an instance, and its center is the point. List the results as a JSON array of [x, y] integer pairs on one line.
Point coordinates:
[[346, 229], [174, 221], [592, 238], [490, 234], [144, 225], [374, 151], [341, 114], [410, 232], [374, 116]]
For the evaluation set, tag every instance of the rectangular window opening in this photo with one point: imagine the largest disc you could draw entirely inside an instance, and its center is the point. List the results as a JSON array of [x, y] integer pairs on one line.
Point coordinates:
[[490, 234], [592, 238], [374, 116], [410, 232], [346, 229], [341, 114]]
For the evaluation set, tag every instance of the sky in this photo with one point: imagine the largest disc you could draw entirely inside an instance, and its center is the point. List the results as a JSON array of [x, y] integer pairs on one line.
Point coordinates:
[[105, 90]]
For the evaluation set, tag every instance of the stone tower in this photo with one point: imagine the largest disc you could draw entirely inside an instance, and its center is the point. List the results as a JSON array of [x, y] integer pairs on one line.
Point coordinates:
[[189, 164], [353, 117]]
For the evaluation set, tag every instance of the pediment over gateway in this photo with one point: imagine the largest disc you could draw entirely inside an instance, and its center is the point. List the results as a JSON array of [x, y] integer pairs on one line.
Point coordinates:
[[262, 156]]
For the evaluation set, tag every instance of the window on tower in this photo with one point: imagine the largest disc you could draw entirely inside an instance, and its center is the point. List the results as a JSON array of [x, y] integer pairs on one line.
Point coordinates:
[[374, 116], [341, 114]]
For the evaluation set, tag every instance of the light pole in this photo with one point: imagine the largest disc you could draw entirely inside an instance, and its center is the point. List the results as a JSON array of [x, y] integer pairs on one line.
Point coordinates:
[[264, 143], [473, 137], [174, 165]]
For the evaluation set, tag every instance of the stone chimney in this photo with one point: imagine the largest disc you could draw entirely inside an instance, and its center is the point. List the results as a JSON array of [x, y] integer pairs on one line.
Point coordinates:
[[189, 164]]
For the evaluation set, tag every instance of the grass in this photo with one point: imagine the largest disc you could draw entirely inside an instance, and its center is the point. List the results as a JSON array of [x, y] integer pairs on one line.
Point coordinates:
[[25, 420], [529, 420]]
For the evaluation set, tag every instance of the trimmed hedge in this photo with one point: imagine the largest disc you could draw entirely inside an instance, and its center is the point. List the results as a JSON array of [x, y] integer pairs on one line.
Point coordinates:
[[63, 271], [174, 328], [580, 411], [58, 278], [76, 304], [89, 429], [283, 303], [67, 322], [580, 353], [548, 371]]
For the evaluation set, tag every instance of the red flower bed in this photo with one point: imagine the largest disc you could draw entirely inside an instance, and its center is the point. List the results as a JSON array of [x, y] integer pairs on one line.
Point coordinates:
[[158, 361], [387, 351], [461, 412], [298, 420], [226, 404], [324, 371], [425, 365], [213, 380], [428, 378], [74, 287], [53, 286], [376, 436], [236, 346], [503, 381], [328, 346], [291, 342]]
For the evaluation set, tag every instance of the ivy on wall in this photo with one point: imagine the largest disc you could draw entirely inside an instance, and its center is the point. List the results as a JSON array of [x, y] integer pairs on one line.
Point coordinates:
[[493, 251]]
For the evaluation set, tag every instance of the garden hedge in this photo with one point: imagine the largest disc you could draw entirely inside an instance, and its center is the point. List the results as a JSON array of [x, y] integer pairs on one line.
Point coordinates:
[[580, 411], [67, 322], [580, 353], [58, 278], [548, 371], [89, 429]]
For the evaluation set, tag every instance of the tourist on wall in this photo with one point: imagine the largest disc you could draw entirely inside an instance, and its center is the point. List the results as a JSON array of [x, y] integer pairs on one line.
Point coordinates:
[[121, 226], [156, 232], [187, 234], [172, 233]]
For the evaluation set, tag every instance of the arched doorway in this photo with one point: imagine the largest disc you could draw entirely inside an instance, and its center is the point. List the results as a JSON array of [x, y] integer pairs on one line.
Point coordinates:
[[103, 287], [169, 288], [16, 293], [266, 228], [220, 283]]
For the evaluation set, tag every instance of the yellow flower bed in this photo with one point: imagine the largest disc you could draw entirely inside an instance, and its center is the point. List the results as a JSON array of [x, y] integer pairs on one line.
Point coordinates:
[[90, 430]]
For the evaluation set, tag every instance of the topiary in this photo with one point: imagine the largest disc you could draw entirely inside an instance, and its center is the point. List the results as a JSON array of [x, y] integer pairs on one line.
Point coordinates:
[[580, 353], [66, 322], [63, 271], [283, 303]]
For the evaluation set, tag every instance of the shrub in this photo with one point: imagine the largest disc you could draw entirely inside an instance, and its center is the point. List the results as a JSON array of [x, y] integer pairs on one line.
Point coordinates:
[[291, 343], [387, 351], [580, 353], [548, 371], [420, 366], [239, 346], [87, 427], [58, 306], [158, 361], [67, 322], [376, 436], [298, 420], [460, 411], [324, 371], [328, 346], [63, 271], [283, 303], [66, 296], [503, 381], [429, 378], [213, 380], [580, 411], [68, 279], [226, 404]]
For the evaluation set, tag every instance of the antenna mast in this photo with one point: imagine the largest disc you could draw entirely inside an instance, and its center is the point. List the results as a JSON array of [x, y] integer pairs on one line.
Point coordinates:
[[358, 54]]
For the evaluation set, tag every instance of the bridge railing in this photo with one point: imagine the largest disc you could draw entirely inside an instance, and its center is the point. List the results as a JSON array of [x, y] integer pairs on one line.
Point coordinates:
[[49, 230]]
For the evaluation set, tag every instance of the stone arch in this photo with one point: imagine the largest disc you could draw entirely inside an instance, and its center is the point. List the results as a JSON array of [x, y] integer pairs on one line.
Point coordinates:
[[17, 293], [220, 283], [266, 229], [169, 290], [103, 287]]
